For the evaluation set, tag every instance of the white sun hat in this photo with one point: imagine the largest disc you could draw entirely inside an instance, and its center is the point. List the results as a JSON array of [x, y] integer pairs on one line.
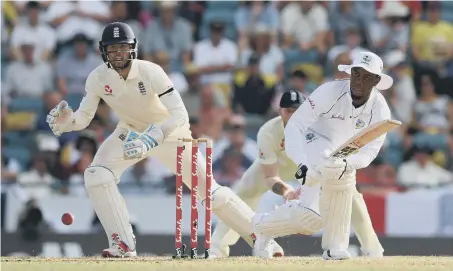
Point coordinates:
[[372, 63]]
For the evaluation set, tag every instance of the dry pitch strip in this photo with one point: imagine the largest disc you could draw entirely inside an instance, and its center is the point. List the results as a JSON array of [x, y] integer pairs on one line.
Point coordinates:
[[232, 263]]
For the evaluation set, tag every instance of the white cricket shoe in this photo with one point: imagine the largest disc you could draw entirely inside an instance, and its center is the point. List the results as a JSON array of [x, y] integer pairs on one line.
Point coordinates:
[[336, 255], [277, 250], [221, 252], [115, 252], [119, 249], [263, 247]]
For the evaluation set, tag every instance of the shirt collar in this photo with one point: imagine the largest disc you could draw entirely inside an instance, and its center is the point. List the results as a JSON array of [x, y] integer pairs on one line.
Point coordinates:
[[369, 104], [133, 73]]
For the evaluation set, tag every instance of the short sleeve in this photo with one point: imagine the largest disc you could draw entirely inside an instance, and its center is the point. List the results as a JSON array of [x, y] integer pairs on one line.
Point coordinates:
[[267, 153]]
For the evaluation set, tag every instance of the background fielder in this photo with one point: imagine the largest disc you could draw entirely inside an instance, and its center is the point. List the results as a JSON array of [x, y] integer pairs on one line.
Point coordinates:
[[152, 118]]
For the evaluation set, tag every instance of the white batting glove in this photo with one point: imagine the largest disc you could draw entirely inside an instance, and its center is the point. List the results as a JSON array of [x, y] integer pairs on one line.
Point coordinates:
[[139, 147], [59, 118], [333, 169]]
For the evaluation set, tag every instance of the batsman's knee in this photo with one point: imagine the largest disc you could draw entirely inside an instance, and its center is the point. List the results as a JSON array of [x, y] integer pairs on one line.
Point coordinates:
[[97, 176]]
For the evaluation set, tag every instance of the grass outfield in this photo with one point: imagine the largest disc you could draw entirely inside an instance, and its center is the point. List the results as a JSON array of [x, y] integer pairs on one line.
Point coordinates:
[[230, 264]]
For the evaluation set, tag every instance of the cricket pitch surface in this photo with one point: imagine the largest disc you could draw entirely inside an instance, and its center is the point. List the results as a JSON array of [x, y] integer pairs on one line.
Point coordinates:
[[232, 263]]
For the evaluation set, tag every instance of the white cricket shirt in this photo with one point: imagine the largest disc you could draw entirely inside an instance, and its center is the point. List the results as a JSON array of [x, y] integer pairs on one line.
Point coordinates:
[[271, 143], [328, 114], [135, 100]]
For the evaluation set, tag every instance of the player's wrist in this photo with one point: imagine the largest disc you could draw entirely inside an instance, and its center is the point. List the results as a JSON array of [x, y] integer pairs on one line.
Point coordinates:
[[281, 188], [287, 192]]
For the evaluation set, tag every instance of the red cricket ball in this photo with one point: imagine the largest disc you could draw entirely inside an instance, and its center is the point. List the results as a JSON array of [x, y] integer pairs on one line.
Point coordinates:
[[67, 218]]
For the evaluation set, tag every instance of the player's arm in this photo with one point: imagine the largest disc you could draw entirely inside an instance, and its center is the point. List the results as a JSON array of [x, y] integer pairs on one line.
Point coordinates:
[[61, 119], [171, 99], [155, 134], [269, 164], [368, 153], [308, 113]]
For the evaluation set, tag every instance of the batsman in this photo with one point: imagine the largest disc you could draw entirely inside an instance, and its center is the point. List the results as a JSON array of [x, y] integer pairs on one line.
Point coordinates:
[[273, 172], [331, 115], [152, 118]]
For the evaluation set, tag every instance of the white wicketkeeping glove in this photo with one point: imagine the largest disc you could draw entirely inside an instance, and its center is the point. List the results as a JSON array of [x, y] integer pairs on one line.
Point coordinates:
[[138, 145], [59, 118]]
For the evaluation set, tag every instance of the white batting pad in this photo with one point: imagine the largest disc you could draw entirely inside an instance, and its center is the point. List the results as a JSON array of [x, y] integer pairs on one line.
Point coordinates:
[[335, 206], [222, 238], [291, 218], [109, 204], [229, 208], [361, 222]]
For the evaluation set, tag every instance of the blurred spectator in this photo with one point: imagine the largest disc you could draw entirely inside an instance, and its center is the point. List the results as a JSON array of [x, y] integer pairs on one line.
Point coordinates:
[[378, 178], [432, 47], [141, 178], [351, 45], [414, 6], [31, 221], [72, 17], [74, 67], [10, 169], [422, 172], [171, 34], [48, 145], [252, 94], [391, 31], [306, 25], [27, 77], [177, 77], [230, 167], [252, 13], [299, 81], [37, 182], [237, 139], [120, 13], [344, 16], [271, 56], [105, 121], [193, 12], [77, 157], [216, 56], [403, 95], [42, 35], [432, 39], [213, 112], [202, 99], [195, 128], [341, 59], [192, 98]]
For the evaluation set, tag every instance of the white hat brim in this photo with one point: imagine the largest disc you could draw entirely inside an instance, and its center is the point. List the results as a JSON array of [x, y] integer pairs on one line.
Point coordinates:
[[385, 83]]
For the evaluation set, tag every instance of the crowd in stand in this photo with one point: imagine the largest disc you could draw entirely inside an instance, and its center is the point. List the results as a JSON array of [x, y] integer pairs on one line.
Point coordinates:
[[230, 60]]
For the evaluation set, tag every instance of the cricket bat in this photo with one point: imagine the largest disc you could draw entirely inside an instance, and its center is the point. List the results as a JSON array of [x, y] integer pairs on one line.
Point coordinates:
[[365, 136]]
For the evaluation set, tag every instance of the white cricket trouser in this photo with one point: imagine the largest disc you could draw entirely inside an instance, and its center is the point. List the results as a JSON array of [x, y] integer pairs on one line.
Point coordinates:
[[110, 155], [108, 165]]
